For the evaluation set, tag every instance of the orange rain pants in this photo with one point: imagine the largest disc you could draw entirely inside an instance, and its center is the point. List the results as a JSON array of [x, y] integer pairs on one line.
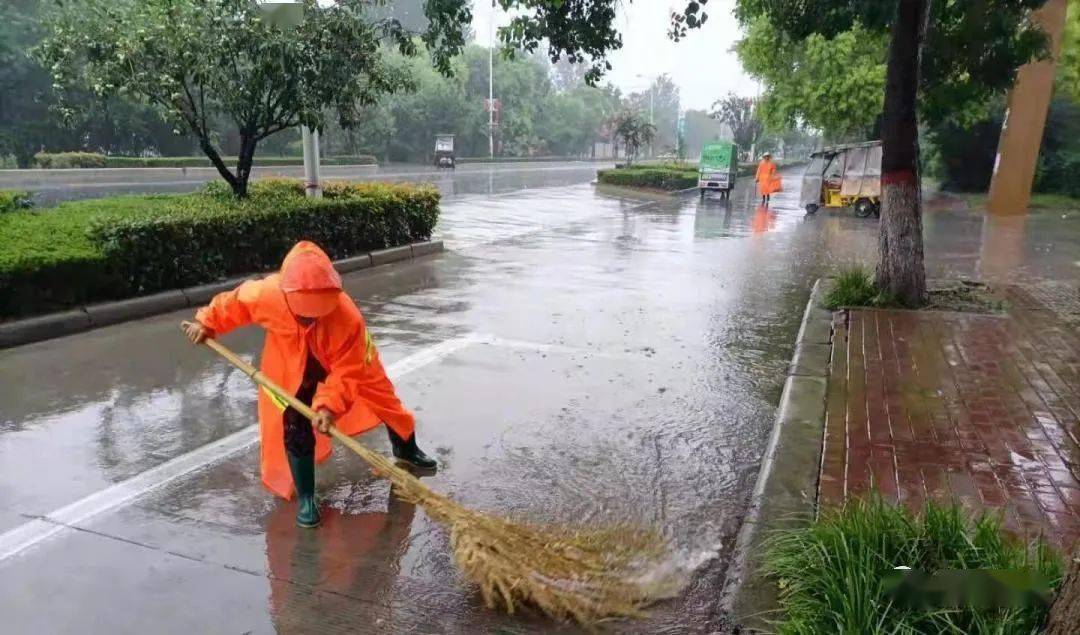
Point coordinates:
[[768, 181], [356, 389]]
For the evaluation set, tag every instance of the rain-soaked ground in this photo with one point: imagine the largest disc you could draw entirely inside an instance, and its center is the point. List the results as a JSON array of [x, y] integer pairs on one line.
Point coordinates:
[[574, 356], [50, 187]]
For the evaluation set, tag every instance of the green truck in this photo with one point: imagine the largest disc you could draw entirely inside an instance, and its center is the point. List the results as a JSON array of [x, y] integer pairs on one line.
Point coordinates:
[[718, 167]]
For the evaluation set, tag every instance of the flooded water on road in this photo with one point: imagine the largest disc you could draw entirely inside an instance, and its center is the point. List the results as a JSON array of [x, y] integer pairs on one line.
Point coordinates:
[[615, 358]]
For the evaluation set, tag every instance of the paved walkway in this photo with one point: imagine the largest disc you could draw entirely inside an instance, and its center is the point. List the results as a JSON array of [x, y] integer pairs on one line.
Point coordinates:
[[978, 408]]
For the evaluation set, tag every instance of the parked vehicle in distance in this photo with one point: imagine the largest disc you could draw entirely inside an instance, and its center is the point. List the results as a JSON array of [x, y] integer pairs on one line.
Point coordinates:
[[718, 168], [444, 151], [846, 175]]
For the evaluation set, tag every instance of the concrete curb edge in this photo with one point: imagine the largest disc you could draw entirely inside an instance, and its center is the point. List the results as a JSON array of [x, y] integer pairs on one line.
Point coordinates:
[[785, 494], [51, 325]]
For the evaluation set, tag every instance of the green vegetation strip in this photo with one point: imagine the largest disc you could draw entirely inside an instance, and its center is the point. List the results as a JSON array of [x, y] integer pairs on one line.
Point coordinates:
[[67, 160], [12, 200], [669, 177], [113, 248], [839, 574], [661, 176], [1039, 202]]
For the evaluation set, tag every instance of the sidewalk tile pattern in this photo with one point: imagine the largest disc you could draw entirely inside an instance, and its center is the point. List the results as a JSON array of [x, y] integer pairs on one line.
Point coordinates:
[[980, 409]]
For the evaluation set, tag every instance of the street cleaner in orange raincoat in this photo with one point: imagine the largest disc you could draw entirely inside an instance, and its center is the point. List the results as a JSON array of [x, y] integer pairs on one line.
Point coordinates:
[[317, 347], [768, 181]]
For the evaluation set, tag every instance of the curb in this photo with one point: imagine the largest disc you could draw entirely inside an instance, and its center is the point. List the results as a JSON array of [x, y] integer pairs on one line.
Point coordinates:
[[51, 325], [785, 494]]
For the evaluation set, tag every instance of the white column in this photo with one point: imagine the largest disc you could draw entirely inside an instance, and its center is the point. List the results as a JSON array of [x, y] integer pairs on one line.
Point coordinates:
[[312, 184]]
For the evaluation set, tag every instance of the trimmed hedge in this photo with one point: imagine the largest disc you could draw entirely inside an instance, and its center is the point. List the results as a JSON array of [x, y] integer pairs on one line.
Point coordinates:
[[112, 248], [203, 162], [668, 177], [12, 200], [59, 160], [671, 176], [67, 160]]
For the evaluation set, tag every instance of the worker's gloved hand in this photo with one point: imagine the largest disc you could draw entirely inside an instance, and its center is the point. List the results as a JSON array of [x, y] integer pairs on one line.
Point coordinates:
[[196, 332], [323, 421]]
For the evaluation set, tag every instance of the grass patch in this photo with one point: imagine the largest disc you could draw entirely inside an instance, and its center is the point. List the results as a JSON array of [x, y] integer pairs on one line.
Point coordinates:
[[13, 200], [835, 576], [1039, 202], [110, 248], [965, 296], [854, 286]]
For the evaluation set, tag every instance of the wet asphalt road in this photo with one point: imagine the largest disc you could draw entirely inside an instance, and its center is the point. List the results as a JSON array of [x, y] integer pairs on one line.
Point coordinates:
[[574, 356], [50, 187]]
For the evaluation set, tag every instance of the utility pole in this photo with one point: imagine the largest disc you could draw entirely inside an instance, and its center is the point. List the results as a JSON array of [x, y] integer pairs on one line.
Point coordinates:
[[491, 82], [1025, 119]]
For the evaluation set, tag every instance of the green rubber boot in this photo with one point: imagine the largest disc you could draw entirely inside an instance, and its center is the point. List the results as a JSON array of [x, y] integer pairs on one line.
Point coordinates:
[[303, 474]]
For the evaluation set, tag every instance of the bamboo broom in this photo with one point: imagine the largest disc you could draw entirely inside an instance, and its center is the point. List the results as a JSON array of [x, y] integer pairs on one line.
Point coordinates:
[[583, 574]]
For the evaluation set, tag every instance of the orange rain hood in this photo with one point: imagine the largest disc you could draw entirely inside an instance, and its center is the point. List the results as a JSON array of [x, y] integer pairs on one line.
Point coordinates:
[[310, 283]]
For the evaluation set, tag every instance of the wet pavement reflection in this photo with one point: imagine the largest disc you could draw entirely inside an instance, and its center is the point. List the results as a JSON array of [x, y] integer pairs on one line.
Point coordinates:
[[575, 355], [472, 178]]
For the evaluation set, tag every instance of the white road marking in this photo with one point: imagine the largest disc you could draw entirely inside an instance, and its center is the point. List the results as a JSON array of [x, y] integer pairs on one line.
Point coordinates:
[[17, 540]]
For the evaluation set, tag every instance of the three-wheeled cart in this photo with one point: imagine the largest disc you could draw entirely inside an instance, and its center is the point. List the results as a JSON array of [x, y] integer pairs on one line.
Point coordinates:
[[844, 176]]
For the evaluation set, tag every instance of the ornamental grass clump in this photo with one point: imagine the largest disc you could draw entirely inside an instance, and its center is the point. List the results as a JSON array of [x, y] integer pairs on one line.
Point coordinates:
[[840, 574]]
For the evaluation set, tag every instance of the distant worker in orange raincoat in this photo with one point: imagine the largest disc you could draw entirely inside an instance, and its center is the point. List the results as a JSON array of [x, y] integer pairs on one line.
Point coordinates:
[[318, 348], [768, 181]]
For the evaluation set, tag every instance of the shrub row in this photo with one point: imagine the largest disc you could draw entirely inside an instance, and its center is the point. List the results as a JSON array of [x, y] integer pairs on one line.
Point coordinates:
[[511, 159], [119, 247], [203, 162], [1057, 174], [59, 160], [12, 200], [661, 178], [66, 160]]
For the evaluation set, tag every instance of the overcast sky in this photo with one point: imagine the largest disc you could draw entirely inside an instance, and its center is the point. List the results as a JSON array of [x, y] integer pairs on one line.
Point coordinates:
[[703, 65]]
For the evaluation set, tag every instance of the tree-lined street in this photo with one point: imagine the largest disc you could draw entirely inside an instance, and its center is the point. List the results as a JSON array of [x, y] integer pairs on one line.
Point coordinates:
[[573, 356], [794, 395]]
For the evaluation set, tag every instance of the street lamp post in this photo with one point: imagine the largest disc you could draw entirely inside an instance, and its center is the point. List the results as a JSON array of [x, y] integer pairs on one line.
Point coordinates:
[[491, 82], [291, 15]]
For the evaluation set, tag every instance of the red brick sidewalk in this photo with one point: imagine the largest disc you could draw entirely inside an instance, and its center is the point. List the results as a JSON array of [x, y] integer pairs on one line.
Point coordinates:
[[976, 408]]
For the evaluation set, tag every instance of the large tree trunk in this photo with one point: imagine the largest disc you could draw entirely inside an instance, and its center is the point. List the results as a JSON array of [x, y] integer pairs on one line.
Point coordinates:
[[1065, 611], [900, 271], [215, 158], [244, 163]]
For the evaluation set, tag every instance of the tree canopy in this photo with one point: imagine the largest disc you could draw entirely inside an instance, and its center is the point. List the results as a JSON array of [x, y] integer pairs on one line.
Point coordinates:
[[1068, 75], [829, 72], [198, 60], [972, 51], [634, 131], [738, 114], [836, 84]]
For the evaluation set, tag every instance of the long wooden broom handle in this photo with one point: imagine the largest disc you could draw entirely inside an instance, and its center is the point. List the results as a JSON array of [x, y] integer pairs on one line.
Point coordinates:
[[256, 375]]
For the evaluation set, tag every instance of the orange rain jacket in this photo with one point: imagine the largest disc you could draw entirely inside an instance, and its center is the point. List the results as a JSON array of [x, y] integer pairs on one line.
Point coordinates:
[[768, 181], [356, 389]]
